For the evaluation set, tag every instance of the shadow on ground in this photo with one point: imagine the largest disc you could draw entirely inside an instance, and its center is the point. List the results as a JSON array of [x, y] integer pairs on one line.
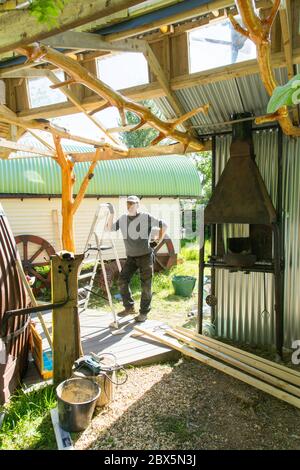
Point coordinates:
[[191, 406]]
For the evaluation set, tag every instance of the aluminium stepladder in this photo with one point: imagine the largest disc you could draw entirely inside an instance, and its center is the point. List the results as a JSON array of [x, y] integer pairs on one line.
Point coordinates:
[[95, 244]]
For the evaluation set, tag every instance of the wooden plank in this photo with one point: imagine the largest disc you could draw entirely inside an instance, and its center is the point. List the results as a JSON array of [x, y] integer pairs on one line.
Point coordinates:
[[141, 92], [24, 73], [244, 353], [238, 354], [281, 395], [163, 80], [25, 148], [91, 42], [151, 151], [66, 331], [239, 363], [19, 28]]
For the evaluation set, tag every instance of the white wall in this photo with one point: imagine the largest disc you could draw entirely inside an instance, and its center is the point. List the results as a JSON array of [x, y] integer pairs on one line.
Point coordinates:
[[34, 216]]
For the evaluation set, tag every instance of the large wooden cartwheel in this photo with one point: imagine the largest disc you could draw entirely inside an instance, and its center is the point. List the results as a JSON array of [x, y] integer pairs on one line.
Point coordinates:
[[164, 260], [29, 264]]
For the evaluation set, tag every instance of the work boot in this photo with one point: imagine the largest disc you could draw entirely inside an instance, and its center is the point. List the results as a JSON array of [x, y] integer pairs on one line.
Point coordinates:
[[126, 311], [140, 318]]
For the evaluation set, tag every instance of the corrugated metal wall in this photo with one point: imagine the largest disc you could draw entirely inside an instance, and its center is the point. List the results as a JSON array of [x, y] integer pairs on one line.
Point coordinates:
[[240, 312]]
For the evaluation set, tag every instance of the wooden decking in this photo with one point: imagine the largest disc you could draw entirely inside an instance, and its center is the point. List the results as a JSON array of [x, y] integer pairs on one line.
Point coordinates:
[[129, 348]]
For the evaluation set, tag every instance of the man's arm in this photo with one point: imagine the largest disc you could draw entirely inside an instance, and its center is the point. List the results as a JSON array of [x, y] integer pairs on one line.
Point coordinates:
[[158, 237], [110, 219]]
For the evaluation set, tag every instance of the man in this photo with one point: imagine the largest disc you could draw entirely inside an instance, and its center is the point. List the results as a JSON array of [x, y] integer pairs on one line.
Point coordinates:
[[136, 228]]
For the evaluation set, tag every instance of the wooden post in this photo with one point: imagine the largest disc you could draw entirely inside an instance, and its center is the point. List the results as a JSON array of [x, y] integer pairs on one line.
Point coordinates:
[[66, 330]]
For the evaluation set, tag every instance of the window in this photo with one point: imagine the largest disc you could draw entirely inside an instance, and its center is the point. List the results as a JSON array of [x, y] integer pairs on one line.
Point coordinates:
[[218, 44], [123, 70], [40, 93]]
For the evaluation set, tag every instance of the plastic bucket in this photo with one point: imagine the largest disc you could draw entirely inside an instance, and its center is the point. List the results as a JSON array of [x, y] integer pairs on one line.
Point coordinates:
[[76, 403], [184, 285]]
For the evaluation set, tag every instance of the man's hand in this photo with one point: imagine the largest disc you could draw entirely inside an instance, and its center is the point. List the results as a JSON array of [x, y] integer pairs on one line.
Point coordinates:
[[153, 244], [110, 208]]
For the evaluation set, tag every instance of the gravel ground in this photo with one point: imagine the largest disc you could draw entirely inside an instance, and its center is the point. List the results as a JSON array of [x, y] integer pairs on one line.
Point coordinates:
[[188, 405]]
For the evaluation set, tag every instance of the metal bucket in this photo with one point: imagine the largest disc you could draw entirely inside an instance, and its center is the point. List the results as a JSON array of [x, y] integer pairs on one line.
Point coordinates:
[[76, 403]]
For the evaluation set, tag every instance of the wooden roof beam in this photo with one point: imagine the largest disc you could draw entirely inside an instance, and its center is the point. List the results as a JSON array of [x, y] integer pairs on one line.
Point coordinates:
[[19, 28], [7, 144], [91, 42], [284, 14], [70, 95]]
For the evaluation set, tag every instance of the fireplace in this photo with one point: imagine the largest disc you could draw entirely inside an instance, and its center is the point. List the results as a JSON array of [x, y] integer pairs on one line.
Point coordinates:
[[241, 197]]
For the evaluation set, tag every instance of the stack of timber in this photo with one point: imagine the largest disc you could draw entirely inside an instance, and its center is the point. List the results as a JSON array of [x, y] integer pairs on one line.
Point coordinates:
[[270, 377]]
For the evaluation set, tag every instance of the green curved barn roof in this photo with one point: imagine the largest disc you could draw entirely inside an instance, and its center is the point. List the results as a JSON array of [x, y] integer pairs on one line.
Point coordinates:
[[152, 176]]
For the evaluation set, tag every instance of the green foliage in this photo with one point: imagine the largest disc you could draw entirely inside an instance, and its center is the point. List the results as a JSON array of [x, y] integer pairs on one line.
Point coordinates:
[[27, 422], [286, 95], [203, 163], [142, 137], [47, 11]]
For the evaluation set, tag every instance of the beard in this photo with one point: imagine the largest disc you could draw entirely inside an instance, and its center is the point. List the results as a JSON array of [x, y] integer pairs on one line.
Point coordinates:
[[132, 210]]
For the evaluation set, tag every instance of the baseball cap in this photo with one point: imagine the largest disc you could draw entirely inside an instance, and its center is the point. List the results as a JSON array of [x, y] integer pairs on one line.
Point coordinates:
[[133, 199]]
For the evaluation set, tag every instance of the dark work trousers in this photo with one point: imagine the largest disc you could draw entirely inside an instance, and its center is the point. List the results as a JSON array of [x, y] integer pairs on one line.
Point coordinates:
[[145, 266]]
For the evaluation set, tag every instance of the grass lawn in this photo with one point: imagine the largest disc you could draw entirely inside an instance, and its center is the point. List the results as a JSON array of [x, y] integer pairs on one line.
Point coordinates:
[[27, 423], [166, 306]]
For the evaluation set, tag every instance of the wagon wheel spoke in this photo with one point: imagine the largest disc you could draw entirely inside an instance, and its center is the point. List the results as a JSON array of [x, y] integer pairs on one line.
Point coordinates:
[[167, 262], [36, 254], [36, 274], [25, 250], [30, 264]]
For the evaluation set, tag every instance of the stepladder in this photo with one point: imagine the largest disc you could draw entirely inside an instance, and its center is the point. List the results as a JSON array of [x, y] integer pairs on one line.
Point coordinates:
[[99, 242]]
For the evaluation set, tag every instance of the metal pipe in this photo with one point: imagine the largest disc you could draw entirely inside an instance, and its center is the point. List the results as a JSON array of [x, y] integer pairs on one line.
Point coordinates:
[[213, 230], [200, 289], [29, 310]]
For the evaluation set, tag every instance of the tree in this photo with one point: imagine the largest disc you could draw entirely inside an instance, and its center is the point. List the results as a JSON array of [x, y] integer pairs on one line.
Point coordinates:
[[141, 137], [203, 163]]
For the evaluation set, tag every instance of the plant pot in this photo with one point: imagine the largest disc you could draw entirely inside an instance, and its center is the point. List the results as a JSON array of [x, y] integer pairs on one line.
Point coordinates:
[[184, 285]]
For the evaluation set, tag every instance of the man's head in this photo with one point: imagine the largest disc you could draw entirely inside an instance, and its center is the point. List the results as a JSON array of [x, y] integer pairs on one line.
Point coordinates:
[[133, 205]]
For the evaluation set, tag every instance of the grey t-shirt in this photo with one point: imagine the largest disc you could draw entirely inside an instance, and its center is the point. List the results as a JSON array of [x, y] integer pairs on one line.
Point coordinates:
[[136, 232]]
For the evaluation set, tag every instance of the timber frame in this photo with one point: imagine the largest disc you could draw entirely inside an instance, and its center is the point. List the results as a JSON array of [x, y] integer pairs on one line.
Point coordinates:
[[160, 42]]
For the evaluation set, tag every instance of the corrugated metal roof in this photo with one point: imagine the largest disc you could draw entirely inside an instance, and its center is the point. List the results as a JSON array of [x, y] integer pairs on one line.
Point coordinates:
[[152, 176], [237, 95]]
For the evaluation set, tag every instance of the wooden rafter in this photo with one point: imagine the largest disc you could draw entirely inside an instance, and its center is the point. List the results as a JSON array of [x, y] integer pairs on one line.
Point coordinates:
[[20, 27], [164, 82], [91, 42], [7, 144], [67, 92], [258, 30], [114, 98]]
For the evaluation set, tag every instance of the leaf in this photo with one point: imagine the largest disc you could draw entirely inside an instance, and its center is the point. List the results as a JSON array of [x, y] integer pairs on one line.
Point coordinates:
[[286, 95], [47, 11]]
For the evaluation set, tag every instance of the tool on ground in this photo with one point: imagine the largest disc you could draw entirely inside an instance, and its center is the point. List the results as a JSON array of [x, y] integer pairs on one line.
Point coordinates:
[[95, 244]]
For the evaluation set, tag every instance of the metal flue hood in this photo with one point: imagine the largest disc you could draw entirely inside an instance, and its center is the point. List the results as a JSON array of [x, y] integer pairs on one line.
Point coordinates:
[[241, 195]]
